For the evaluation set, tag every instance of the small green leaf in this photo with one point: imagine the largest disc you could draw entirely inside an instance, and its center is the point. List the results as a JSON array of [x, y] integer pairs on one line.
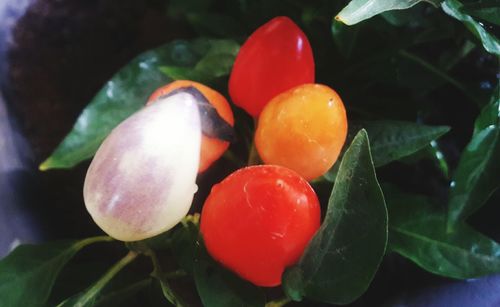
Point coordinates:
[[392, 140], [476, 176], [218, 287], [418, 232], [359, 10], [129, 89], [29, 272], [216, 62], [435, 154], [490, 42], [490, 114], [343, 256], [88, 298]]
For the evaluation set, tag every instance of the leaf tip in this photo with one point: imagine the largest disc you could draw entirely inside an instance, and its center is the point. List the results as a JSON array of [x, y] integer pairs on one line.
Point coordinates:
[[362, 133], [339, 19], [45, 165]]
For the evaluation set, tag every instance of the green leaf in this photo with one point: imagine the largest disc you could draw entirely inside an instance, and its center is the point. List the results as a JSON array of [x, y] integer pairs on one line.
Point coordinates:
[[433, 153], [27, 275], [489, 41], [359, 10], [488, 10], [127, 92], [216, 62], [344, 255], [185, 242], [412, 16], [490, 114], [418, 232], [89, 297], [219, 287], [392, 140], [476, 176]]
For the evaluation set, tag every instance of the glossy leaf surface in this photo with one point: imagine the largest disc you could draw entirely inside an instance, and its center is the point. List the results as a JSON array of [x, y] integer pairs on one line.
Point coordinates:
[[392, 140], [343, 256], [418, 232], [29, 272], [477, 173], [216, 61], [488, 10], [490, 42], [359, 10], [126, 92]]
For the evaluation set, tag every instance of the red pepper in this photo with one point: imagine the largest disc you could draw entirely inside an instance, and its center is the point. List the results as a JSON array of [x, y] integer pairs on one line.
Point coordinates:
[[259, 220], [275, 58]]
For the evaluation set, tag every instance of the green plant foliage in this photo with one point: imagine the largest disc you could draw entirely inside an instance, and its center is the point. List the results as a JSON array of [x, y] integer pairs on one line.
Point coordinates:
[[216, 61], [489, 41], [184, 245], [88, 298], [392, 140], [476, 176], [418, 232], [403, 78], [119, 297], [490, 114], [33, 269], [343, 256], [218, 287], [487, 10], [129, 89], [359, 10]]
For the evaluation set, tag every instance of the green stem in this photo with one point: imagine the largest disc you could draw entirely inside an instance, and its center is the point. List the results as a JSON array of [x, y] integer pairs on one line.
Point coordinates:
[[88, 241], [278, 302], [158, 273], [175, 274], [437, 72], [93, 291]]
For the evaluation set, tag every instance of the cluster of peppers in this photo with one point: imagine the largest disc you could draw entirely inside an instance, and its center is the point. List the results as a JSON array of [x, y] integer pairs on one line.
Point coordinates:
[[258, 220]]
